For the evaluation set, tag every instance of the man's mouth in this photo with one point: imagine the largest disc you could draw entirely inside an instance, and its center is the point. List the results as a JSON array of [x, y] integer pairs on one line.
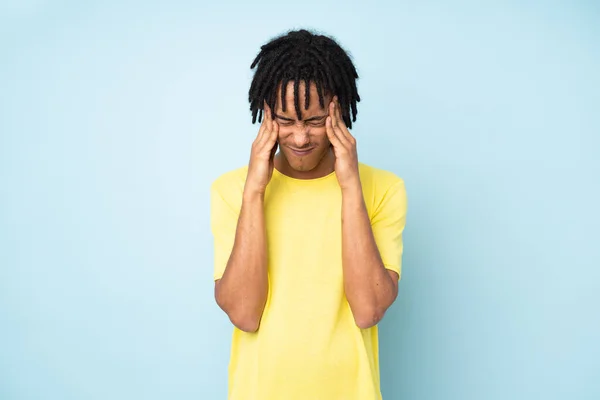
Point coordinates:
[[301, 152]]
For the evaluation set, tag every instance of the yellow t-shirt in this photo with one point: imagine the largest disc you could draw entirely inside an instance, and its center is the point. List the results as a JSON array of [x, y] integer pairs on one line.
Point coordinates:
[[308, 346]]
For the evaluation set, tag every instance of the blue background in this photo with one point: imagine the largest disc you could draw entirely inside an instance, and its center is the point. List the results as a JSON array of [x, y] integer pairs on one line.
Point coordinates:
[[116, 116]]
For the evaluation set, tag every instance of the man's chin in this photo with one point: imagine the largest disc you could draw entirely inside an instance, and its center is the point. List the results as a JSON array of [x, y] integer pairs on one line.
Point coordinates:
[[297, 164]]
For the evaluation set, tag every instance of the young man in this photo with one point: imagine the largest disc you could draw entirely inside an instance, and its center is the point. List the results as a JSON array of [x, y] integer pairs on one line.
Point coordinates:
[[308, 241]]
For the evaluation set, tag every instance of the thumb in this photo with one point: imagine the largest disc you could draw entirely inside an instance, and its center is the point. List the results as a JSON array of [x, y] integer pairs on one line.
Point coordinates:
[[274, 150]]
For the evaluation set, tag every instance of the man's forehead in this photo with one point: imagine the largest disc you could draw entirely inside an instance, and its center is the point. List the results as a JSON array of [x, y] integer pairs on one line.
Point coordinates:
[[290, 86], [314, 108], [314, 105]]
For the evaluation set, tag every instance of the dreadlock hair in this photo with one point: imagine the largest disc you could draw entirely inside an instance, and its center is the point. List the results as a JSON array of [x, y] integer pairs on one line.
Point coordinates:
[[303, 56]]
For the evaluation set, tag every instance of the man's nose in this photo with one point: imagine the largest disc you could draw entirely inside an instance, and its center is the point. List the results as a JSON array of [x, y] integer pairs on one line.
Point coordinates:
[[301, 137]]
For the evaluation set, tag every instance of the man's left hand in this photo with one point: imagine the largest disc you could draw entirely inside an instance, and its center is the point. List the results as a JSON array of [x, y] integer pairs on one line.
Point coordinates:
[[344, 148]]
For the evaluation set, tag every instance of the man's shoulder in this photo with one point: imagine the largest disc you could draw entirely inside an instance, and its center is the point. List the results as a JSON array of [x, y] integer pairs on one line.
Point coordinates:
[[231, 181], [384, 191], [378, 177]]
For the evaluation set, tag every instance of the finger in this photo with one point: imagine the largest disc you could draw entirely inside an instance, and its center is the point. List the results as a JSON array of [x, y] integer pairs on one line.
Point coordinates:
[[261, 133], [273, 140], [267, 110], [337, 125], [264, 124], [273, 134], [337, 122], [269, 137], [268, 118], [344, 132], [333, 139], [332, 113], [338, 109], [259, 136], [266, 134], [268, 121]]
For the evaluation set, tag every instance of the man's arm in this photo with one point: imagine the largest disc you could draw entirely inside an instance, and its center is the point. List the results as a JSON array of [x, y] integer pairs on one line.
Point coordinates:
[[370, 288], [242, 290]]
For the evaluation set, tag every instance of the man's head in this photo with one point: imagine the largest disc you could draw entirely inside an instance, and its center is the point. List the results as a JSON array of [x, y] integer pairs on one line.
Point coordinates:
[[297, 75]]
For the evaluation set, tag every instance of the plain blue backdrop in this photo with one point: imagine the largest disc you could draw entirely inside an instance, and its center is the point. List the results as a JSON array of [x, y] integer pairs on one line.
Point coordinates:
[[115, 117]]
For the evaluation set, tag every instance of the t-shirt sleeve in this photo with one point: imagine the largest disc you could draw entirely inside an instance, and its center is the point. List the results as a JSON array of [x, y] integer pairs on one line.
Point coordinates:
[[223, 223], [387, 223]]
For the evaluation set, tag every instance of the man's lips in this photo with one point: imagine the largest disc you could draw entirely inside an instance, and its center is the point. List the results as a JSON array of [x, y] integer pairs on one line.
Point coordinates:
[[302, 152]]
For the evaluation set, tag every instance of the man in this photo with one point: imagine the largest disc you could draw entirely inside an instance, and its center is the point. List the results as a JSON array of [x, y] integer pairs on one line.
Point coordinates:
[[308, 241]]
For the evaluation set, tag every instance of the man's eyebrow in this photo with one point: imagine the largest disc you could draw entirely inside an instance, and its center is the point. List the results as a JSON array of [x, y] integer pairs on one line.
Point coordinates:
[[283, 118], [315, 118]]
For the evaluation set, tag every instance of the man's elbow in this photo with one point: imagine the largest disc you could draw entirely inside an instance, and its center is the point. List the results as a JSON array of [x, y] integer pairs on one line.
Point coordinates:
[[245, 323], [368, 318], [369, 313], [243, 320]]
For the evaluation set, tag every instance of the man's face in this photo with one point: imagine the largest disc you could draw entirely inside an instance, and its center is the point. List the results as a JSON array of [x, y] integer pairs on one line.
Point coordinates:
[[303, 143]]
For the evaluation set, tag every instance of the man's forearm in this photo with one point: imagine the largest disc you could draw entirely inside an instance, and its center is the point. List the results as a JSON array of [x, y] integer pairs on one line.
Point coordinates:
[[368, 285], [242, 291]]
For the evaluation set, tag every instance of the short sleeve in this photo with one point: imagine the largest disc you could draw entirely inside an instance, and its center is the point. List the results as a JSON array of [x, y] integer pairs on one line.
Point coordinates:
[[223, 224], [387, 223]]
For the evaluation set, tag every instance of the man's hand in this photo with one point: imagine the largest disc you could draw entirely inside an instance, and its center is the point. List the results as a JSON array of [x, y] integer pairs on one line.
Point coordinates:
[[260, 169], [344, 148]]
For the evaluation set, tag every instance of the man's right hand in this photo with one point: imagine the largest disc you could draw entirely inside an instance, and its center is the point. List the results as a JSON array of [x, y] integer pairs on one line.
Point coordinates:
[[262, 155]]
